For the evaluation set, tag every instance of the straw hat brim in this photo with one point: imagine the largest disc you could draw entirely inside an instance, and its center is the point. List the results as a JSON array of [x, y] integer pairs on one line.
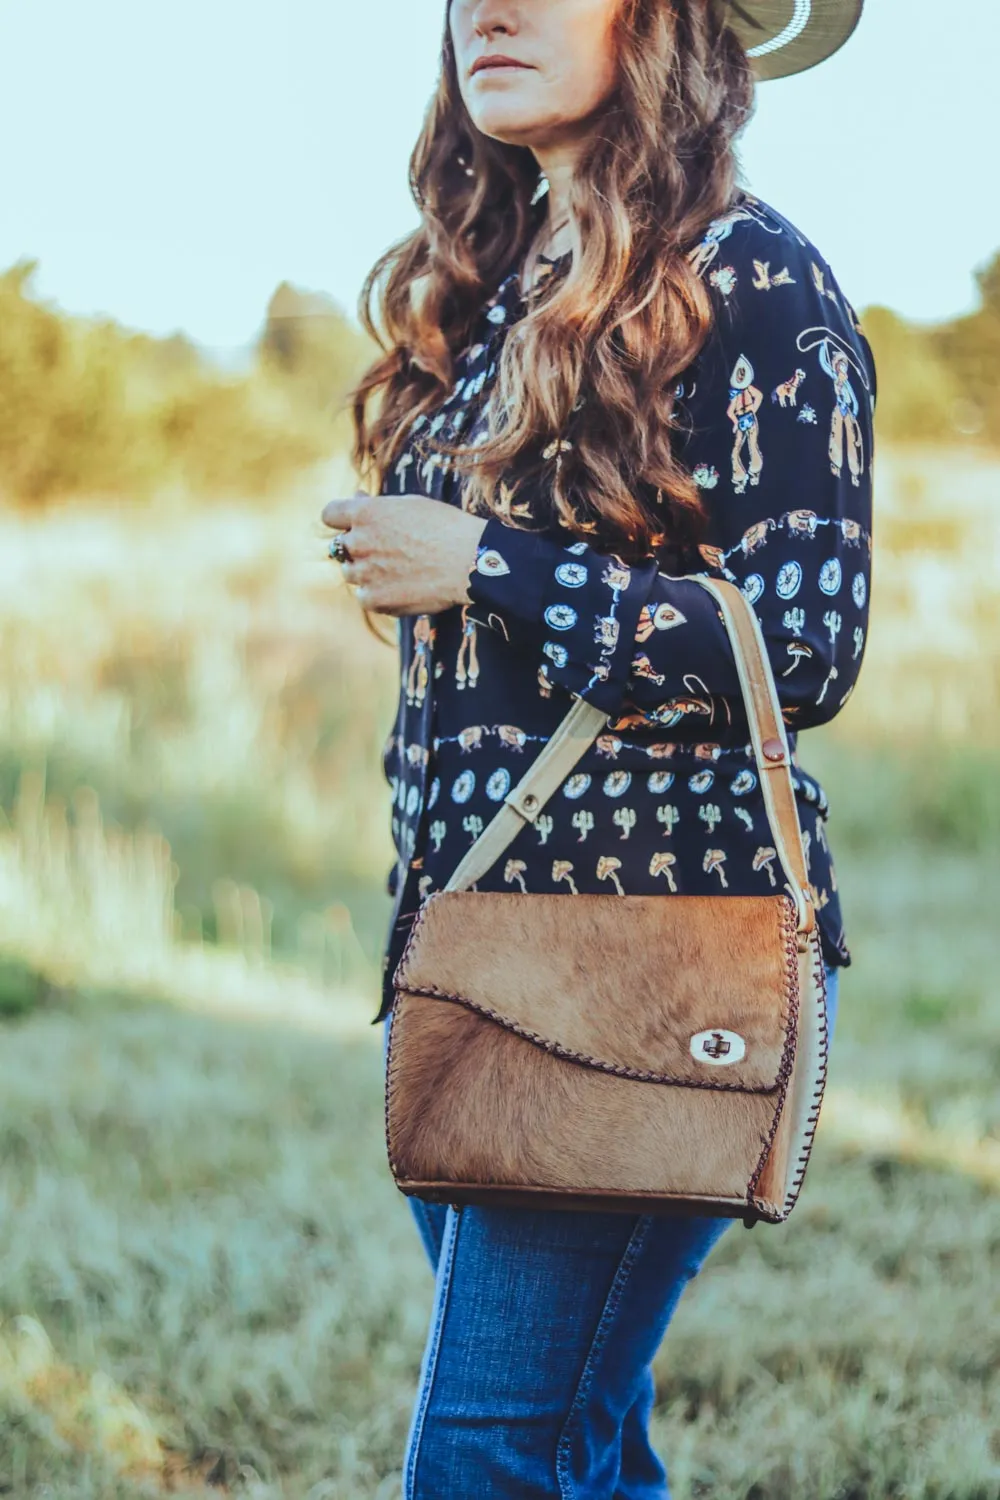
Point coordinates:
[[787, 36]]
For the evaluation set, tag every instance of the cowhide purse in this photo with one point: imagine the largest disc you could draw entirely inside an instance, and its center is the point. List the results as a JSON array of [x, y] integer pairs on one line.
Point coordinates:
[[652, 1054]]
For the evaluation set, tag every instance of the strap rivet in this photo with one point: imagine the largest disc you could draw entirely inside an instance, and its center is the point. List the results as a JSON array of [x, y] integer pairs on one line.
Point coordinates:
[[773, 750], [530, 800]]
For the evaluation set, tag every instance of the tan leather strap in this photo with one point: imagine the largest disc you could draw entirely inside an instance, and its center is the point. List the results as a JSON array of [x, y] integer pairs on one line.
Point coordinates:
[[768, 737], [522, 804], [581, 726]]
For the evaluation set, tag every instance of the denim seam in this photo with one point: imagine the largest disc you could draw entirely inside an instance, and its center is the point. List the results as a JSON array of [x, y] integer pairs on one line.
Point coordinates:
[[446, 1266], [611, 1302], [426, 1231]]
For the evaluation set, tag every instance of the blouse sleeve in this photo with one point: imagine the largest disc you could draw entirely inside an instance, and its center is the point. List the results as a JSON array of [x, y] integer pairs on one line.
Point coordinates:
[[779, 412]]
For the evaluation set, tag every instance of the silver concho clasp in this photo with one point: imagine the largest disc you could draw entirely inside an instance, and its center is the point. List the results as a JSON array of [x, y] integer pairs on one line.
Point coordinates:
[[718, 1048]]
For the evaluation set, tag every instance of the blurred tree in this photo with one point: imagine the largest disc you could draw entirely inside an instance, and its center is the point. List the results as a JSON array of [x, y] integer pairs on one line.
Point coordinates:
[[90, 408], [970, 346], [918, 395], [63, 408], [308, 340]]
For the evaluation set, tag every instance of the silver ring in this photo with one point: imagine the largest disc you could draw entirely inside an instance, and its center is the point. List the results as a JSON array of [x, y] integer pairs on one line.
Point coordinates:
[[338, 550]]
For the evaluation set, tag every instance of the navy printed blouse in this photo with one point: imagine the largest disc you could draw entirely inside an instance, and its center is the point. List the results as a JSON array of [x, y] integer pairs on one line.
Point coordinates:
[[776, 416]]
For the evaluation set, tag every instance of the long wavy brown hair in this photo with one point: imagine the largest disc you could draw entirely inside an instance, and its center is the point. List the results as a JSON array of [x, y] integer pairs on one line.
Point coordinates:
[[594, 362]]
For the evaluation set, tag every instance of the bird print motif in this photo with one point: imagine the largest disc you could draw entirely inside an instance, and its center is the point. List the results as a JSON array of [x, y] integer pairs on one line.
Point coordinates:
[[668, 799]]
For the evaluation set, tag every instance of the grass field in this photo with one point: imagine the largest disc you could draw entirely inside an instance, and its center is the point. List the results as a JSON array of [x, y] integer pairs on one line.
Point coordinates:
[[208, 1282]]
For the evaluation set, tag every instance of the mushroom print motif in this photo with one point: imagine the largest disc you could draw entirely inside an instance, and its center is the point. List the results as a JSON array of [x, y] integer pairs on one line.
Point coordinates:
[[763, 860], [713, 863], [661, 863], [513, 871], [830, 676], [797, 650], [607, 867], [563, 870]]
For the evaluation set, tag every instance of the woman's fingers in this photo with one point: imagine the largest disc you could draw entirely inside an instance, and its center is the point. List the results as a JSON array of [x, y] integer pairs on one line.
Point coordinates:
[[339, 514]]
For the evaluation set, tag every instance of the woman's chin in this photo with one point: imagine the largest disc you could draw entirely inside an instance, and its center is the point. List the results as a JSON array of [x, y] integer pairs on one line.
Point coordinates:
[[514, 122]]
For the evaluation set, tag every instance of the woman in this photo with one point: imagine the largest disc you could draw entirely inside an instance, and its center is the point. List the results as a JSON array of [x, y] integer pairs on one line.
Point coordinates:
[[614, 368]]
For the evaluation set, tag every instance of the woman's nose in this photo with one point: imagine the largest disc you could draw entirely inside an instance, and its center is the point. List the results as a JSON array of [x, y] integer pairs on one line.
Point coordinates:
[[495, 16]]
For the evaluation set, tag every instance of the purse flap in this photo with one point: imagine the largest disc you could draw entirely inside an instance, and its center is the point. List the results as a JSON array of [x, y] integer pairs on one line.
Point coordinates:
[[697, 990]]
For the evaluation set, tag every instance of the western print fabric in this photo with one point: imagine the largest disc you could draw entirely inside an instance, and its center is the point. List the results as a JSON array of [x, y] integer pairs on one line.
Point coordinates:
[[776, 427]]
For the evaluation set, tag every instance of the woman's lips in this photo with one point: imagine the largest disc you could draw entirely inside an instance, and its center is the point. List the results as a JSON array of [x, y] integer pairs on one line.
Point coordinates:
[[481, 64]]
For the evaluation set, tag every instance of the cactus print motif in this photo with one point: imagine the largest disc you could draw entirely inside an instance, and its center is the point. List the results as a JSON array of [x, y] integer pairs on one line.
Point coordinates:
[[667, 800]]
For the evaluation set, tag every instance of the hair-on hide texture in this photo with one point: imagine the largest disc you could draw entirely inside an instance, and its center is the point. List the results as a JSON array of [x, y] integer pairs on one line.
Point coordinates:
[[472, 1101]]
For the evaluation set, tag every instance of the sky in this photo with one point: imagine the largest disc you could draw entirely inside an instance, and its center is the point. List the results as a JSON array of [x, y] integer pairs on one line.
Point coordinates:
[[169, 164]]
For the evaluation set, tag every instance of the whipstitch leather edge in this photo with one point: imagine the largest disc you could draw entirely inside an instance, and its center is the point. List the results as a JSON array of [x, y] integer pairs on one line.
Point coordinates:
[[812, 1121], [773, 1211], [389, 1073]]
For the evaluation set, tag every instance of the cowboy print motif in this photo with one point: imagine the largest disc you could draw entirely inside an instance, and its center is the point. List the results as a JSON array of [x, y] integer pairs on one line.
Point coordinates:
[[744, 404], [667, 799]]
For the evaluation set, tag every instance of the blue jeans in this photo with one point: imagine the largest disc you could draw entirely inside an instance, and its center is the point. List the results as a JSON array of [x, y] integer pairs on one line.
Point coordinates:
[[536, 1381]]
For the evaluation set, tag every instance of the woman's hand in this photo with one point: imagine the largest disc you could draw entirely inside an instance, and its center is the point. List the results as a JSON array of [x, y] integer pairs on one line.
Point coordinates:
[[409, 555]]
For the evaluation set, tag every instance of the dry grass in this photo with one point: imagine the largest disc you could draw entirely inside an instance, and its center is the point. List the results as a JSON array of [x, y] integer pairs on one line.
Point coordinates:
[[207, 1271]]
